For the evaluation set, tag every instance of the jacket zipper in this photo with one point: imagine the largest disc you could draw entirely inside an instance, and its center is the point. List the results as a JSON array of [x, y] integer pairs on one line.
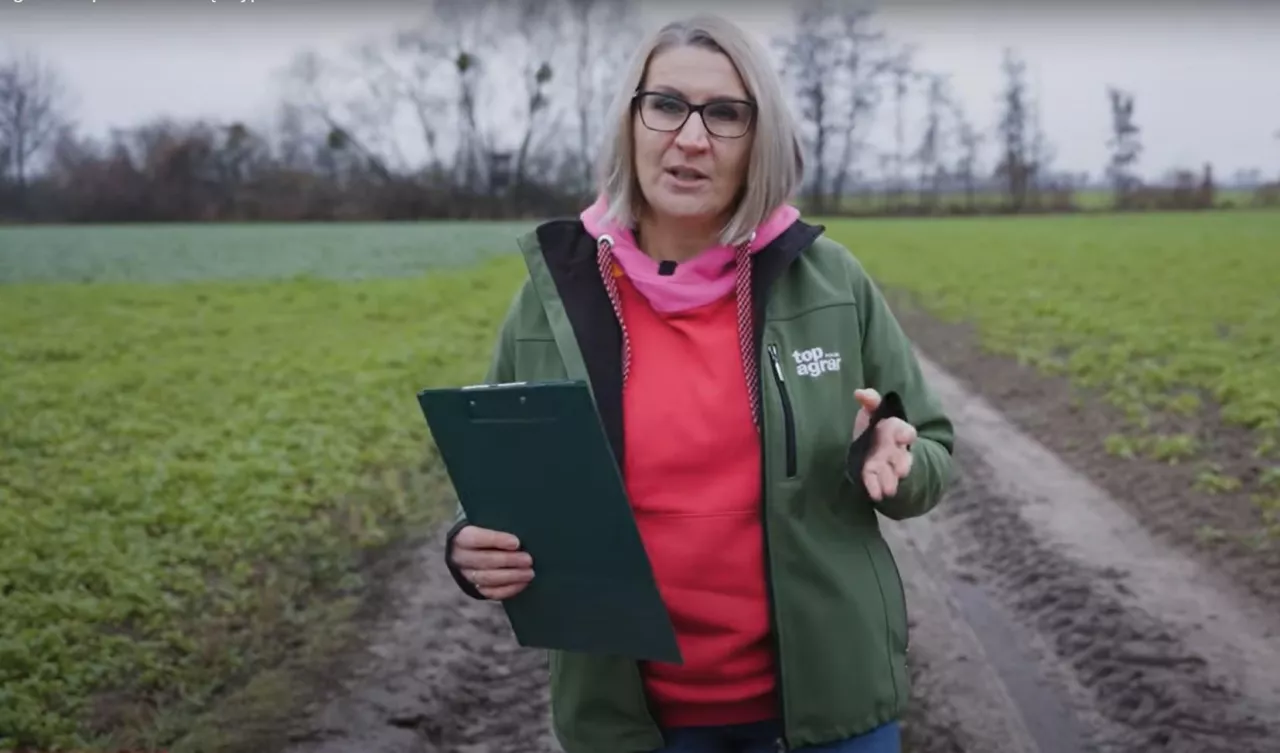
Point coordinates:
[[788, 417], [780, 744], [902, 590], [906, 610]]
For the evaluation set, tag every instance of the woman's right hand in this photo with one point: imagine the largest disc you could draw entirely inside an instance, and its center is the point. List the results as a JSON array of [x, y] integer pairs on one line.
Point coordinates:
[[492, 562]]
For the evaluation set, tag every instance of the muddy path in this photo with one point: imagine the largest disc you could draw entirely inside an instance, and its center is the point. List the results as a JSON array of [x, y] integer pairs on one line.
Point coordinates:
[[440, 672], [1108, 639], [1045, 619]]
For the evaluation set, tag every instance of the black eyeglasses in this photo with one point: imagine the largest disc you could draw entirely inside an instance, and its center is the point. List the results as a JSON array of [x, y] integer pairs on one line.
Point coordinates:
[[726, 118]]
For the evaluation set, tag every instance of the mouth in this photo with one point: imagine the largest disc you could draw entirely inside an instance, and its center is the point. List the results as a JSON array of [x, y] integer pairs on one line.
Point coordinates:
[[686, 174]]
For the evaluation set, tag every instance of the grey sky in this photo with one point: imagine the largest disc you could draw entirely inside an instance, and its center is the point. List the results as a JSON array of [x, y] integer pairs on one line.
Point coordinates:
[[1204, 75]]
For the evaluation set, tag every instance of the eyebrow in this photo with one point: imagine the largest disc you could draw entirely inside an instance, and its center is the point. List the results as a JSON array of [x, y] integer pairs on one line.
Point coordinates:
[[671, 90]]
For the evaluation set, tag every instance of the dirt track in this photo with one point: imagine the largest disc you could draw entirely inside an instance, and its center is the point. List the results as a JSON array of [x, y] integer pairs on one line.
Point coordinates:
[[1044, 619], [1108, 639], [441, 673]]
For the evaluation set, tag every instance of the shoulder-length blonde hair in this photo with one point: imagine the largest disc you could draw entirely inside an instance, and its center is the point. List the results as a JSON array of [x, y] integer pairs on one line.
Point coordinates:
[[776, 166]]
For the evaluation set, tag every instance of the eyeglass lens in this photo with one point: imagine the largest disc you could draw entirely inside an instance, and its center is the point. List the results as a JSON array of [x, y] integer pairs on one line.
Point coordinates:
[[662, 112]]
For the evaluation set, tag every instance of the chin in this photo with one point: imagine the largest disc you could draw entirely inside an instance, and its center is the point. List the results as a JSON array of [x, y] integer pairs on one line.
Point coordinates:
[[685, 206]]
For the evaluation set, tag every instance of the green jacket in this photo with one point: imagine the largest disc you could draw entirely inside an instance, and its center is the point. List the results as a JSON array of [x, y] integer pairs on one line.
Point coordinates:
[[838, 606]]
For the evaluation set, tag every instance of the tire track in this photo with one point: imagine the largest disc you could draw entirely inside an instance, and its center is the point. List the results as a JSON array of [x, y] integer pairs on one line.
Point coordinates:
[[441, 674], [1136, 672], [1153, 653]]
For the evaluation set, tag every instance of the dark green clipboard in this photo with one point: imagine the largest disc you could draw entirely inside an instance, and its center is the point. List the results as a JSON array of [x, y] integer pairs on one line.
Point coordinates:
[[532, 459]]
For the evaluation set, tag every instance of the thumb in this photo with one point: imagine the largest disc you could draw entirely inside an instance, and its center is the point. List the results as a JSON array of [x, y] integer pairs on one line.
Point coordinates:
[[868, 398]]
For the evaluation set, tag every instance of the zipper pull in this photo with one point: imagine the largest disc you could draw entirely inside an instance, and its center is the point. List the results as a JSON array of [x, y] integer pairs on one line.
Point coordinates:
[[777, 367]]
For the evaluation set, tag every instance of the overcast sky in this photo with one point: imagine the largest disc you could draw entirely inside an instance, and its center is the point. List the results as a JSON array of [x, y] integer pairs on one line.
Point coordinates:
[[1206, 76]]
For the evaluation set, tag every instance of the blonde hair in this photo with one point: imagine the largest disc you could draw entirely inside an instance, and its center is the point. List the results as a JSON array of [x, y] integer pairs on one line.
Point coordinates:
[[776, 163]]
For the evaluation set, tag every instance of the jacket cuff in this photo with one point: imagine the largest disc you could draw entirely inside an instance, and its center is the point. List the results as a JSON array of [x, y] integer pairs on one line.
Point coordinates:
[[890, 407], [467, 586]]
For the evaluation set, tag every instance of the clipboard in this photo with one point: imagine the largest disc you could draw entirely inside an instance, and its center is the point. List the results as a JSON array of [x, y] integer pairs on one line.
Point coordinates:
[[532, 459]]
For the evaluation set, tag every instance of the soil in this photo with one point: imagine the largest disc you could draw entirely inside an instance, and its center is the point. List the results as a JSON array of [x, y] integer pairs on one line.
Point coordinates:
[[1160, 639], [1060, 602], [1221, 528], [441, 673]]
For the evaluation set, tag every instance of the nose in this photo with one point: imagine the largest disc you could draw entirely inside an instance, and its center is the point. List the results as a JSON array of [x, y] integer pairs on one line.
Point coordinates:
[[693, 136]]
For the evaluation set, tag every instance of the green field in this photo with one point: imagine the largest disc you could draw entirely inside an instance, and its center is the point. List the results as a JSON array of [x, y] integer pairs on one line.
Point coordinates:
[[1092, 200], [200, 428], [1161, 312], [183, 465], [181, 253], [1164, 315]]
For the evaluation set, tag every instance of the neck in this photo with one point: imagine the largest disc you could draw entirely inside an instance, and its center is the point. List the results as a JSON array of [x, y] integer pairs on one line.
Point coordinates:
[[675, 241]]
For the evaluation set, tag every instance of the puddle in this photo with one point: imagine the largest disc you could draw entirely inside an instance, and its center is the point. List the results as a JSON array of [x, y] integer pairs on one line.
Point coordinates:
[[1046, 713]]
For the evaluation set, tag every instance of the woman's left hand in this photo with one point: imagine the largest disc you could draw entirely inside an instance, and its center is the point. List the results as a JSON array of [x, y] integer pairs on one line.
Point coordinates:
[[889, 458]]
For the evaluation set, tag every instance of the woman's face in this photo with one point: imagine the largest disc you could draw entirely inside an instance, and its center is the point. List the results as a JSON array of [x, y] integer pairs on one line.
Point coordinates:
[[692, 173]]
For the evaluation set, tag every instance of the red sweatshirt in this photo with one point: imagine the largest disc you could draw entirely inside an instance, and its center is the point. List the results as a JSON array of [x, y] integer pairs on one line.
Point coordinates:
[[692, 468]]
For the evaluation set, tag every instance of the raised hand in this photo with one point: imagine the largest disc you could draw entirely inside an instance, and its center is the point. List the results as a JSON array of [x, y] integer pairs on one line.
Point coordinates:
[[889, 458]]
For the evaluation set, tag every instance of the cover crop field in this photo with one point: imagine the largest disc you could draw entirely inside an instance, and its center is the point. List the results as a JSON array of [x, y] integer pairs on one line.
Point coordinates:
[[183, 465], [201, 428], [1143, 349], [1164, 313]]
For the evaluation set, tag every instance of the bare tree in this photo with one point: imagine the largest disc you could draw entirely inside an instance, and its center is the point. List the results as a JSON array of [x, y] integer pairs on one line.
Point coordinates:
[[969, 140], [34, 104], [601, 33], [903, 75], [409, 73], [807, 57], [1276, 135], [293, 139], [1014, 166], [538, 28], [471, 30], [862, 66], [1124, 143], [929, 155], [835, 64], [1040, 153], [321, 91]]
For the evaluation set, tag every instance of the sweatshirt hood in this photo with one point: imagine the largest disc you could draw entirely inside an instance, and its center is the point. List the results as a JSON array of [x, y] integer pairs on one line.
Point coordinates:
[[700, 280]]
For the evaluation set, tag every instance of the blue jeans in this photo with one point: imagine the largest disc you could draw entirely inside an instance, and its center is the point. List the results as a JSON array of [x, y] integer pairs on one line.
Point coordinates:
[[761, 737]]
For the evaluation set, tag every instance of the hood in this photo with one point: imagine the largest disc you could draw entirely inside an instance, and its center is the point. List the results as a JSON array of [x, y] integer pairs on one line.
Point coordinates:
[[706, 277]]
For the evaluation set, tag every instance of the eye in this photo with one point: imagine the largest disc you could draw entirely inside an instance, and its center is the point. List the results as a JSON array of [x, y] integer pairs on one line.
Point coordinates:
[[666, 105], [727, 112]]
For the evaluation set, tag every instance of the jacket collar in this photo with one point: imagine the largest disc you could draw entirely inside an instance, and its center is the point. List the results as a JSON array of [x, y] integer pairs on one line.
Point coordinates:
[[561, 257]]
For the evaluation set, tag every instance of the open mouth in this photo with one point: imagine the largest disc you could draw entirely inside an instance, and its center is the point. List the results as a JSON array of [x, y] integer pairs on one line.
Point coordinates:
[[686, 173]]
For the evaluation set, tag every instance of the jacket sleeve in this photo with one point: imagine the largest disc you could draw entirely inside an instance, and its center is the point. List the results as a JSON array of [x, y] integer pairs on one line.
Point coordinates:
[[501, 369], [891, 368]]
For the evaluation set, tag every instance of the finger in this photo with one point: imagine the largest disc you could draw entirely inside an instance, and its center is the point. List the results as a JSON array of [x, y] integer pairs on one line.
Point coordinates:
[[888, 481], [869, 398], [860, 422], [871, 479], [891, 427], [904, 433], [500, 593], [491, 559], [474, 537], [900, 462], [495, 578]]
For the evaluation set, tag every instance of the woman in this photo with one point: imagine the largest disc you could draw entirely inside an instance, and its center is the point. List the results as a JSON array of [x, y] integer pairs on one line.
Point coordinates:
[[738, 359]]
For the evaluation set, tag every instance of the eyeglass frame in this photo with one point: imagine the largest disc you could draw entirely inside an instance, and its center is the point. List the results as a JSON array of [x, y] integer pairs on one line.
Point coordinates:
[[635, 100]]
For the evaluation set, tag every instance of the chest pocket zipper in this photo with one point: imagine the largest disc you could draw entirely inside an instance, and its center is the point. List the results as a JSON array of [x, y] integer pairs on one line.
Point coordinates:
[[788, 414]]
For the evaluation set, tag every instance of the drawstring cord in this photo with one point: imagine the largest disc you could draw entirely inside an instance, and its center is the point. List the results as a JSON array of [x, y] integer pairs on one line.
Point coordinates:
[[746, 320]]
